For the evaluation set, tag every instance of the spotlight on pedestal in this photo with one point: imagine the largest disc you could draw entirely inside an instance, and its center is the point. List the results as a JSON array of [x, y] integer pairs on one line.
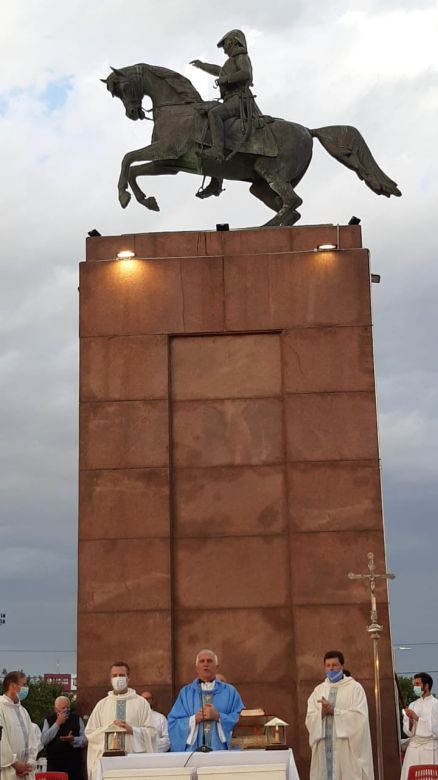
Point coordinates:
[[325, 247], [354, 221], [125, 254], [94, 233], [375, 278], [222, 226]]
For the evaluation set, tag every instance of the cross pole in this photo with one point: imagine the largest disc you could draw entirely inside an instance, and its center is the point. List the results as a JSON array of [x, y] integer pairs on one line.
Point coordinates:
[[374, 631]]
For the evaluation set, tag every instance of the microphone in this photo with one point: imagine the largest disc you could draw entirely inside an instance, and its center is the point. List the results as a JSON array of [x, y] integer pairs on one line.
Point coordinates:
[[204, 748]]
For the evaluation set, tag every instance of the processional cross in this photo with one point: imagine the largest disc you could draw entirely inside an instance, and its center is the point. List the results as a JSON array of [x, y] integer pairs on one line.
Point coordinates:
[[374, 630]]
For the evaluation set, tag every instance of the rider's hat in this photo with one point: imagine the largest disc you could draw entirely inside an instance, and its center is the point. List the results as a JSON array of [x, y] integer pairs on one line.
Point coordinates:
[[238, 36]]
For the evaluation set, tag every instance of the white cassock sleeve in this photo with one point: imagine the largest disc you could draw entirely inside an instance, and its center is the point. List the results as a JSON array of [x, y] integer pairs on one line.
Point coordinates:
[[409, 726], [429, 721], [163, 741], [314, 721], [7, 755], [34, 743], [95, 731]]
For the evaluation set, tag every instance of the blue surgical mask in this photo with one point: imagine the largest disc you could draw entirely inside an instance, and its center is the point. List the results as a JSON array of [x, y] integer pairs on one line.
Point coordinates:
[[23, 692], [335, 676], [418, 690]]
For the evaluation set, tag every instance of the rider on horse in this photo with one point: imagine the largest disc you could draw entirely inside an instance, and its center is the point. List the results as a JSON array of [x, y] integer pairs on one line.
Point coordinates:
[[234, 80]]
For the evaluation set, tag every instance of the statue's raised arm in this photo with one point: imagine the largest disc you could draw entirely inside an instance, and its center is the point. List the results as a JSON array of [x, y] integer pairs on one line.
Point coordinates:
[[213, 70]]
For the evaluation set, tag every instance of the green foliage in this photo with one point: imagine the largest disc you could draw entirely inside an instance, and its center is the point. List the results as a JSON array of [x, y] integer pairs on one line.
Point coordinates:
[[407, 689], [407, 692], [40, 701]]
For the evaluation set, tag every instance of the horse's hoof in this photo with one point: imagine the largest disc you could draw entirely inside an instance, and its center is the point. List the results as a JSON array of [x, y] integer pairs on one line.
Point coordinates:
[[151, 203], [290, 218], [124, 198], [274, 222], [284, 218]]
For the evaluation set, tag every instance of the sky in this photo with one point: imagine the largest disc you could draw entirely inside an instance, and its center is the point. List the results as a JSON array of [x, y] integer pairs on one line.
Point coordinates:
[[367, 63]]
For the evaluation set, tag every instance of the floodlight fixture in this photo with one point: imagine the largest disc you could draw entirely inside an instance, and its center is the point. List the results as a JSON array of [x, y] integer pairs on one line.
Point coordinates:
[[375, 278], [125, 254], [325, 247], [94, 233], [222, 226], [354, 221]]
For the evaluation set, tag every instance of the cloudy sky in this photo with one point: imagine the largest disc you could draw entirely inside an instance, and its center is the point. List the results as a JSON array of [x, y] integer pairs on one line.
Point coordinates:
[[368, 63]]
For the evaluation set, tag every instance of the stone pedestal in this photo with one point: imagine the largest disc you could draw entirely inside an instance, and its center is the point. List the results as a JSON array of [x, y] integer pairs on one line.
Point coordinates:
[[229, 466]]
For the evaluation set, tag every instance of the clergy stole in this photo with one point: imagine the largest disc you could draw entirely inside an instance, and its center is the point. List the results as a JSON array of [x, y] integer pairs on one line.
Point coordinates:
[[329, 735], [207, 725], [25, 733], [120, 710]]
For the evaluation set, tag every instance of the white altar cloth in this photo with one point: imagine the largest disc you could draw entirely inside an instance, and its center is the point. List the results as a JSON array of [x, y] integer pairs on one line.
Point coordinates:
[[217, 758]]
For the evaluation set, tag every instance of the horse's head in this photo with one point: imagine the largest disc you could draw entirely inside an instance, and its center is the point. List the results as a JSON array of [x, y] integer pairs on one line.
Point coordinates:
[[126, 84]]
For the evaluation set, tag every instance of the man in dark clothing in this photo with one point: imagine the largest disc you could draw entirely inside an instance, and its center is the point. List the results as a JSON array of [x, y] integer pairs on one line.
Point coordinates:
[[63, 737]]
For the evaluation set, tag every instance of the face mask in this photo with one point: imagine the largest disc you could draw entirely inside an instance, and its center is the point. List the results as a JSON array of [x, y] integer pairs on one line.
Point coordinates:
[[418, 690], [23, 692], [119, 683], [335, 676]]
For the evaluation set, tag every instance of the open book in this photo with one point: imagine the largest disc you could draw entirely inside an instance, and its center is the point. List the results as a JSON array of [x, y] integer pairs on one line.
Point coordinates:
[[252, 713]]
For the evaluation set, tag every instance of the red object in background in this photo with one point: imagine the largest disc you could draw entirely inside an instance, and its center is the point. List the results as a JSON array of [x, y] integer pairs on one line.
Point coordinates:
[[65, 680], [51, 776], [423, 772]]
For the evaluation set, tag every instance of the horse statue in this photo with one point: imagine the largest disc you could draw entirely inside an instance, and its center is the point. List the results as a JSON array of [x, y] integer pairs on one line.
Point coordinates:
[[273, 159]]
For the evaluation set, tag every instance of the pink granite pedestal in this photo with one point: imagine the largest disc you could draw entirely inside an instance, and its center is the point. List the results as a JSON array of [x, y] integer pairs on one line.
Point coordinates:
[[229, 465]]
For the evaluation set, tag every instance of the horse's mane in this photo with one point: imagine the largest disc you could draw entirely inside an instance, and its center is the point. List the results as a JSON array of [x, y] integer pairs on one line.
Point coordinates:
[[179, 83]]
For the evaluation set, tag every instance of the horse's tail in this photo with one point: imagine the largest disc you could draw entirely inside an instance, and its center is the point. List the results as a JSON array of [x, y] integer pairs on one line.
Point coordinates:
[[347, 145]]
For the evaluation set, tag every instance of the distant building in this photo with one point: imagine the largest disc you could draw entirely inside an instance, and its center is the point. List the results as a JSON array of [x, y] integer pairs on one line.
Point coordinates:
[[68, 681]]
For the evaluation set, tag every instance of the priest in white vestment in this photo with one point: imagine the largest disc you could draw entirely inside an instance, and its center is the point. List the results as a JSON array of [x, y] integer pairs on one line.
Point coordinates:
[[19, 742], [338, 726], [124, 707], [420, 723], [160, 723]]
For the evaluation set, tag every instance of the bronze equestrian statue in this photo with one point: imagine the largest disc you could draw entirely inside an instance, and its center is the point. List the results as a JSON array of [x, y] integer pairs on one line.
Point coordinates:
[[229, 139]]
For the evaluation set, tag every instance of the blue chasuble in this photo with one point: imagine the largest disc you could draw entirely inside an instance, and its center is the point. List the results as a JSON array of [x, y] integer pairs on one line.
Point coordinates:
[[224, 698]]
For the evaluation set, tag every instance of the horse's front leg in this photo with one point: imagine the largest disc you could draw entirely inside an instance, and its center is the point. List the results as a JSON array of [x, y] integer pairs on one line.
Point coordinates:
[[151, 152], [148, 169]]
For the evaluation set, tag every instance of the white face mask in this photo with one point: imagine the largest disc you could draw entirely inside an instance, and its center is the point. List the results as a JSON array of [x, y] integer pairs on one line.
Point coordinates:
[[418, 690], [119, 683]]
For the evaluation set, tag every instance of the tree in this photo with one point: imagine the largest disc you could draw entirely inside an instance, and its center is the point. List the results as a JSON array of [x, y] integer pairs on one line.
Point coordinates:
[[407, 692], [407, 689], [41, 698]]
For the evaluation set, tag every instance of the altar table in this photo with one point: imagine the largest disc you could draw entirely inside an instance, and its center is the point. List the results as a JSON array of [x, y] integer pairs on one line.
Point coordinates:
[[125, 767]]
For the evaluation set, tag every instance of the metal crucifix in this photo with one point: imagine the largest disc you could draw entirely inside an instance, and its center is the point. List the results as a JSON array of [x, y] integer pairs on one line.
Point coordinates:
[[374, 630]]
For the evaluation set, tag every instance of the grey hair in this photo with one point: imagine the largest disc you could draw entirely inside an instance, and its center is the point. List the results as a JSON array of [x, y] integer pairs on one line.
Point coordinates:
[[210, 652], [58, 699]]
